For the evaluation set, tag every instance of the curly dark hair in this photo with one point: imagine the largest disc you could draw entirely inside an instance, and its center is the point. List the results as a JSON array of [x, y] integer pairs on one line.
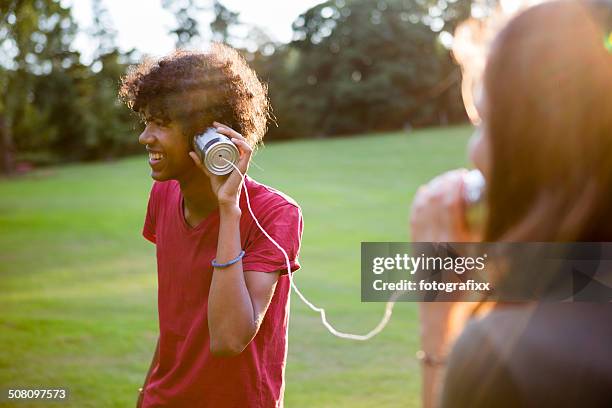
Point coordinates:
[[194, 89]]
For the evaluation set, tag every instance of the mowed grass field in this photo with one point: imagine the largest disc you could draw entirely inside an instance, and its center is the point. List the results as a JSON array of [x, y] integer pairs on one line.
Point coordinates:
[[78, 282]]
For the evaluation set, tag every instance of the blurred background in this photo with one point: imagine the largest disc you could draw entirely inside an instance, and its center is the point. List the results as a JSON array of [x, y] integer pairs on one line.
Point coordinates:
[[341, 67], [367, 100]]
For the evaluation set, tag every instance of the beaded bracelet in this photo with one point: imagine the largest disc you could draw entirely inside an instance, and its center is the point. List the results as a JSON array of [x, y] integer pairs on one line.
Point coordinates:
[[429, 359], [228, 263]]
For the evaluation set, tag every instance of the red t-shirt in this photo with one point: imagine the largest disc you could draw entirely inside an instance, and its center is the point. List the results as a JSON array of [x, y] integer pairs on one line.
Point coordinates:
[[187, 374]]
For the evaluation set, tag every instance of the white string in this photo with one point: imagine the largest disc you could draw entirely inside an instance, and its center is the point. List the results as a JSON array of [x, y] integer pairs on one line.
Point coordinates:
[[360, 337]]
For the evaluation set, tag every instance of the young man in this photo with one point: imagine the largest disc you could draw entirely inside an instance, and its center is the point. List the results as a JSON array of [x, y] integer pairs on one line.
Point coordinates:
[[223, 329]]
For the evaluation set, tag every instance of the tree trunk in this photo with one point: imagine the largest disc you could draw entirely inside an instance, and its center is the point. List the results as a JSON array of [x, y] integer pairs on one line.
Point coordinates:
[[7, 159]]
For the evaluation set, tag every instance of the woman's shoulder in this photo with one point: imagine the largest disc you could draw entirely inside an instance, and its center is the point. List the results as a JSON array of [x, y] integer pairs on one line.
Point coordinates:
[[548, 330], [526, 354]]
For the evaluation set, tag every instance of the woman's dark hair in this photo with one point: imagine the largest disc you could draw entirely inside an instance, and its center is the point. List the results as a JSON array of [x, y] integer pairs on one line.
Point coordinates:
[[548, 87], [194, 89]]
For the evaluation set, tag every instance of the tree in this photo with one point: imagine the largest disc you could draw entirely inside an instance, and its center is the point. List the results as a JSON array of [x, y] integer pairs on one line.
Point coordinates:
[[111, 123], [185, 13], [103, 31], [224, 19], [53, 107], [361, 65], [38, 36]]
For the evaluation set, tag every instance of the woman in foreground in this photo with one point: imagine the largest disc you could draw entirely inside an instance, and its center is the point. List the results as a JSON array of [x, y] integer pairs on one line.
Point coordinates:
[[545, 149]]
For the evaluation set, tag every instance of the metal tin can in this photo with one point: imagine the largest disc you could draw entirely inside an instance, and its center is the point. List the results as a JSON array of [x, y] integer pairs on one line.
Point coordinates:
[[215, 151], [473, 197]]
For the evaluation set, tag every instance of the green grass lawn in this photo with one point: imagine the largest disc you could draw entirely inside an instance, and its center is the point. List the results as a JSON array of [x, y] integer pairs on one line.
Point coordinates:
[[78, 282]]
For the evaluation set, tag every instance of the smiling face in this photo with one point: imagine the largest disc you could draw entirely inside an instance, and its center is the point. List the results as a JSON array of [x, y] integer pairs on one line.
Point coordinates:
[[168, 151]]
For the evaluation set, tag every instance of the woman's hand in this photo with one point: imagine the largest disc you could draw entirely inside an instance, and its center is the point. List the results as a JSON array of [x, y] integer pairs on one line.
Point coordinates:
[[227, 187], [438, 211], [438, 215]]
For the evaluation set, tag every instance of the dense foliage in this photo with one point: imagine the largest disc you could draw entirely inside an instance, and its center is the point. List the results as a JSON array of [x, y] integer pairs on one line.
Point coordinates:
[[354, 66]]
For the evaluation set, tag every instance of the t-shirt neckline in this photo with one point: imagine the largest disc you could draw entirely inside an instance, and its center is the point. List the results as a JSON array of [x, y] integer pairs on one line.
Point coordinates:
[[210, 217], [202, 224]]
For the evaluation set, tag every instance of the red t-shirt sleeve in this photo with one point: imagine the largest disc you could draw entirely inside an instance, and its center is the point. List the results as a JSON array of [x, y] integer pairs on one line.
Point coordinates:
[[283, 223], [148, 230]]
